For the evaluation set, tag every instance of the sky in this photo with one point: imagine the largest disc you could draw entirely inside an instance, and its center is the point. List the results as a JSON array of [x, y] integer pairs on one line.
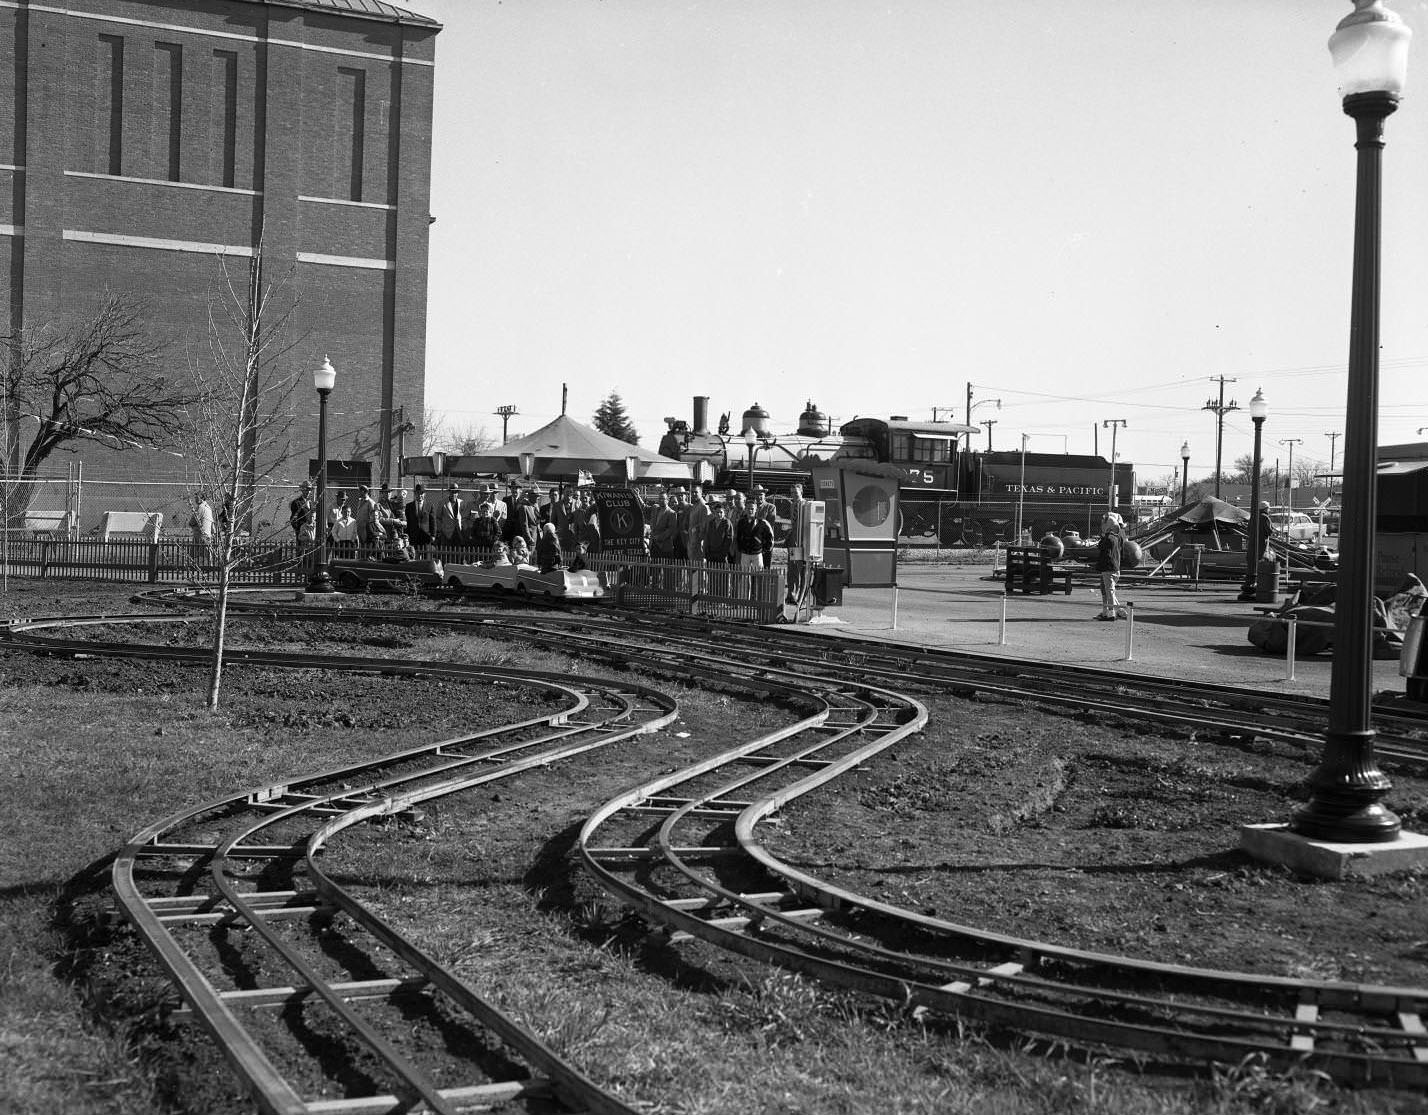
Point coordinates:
[[1088, 210]]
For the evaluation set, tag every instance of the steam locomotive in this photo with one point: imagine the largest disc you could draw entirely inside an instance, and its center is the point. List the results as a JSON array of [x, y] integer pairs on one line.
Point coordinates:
[[949, 494]]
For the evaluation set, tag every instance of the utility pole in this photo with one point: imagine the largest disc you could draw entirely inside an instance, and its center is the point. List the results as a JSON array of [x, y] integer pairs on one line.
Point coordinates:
[[989, 423], [1333, 436], [1291, 442], [403, 428], [1220, 409], [504, 414], [1115, 424], [969, 415]]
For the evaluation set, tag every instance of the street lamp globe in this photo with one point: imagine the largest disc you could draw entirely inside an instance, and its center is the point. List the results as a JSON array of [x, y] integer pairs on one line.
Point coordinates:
[[1370, 50], [1258, 408], [324, 378]]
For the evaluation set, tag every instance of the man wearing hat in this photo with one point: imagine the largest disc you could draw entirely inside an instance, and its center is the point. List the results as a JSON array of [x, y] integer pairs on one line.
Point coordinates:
[[370, 533], [421, 519], [1263, 532], [451, 519], [763, 506], [499, 510], [1108, 564], [664, 525], [301, 519]]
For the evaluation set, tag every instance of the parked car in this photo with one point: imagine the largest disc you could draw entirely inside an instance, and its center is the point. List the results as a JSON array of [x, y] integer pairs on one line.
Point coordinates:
[[1293, 525]]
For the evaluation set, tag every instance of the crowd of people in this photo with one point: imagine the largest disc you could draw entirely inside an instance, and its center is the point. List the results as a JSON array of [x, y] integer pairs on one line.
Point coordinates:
[[528, 526]]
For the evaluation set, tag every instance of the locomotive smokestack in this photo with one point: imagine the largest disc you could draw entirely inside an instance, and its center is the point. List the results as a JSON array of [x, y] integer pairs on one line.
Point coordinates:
[[701, 414]]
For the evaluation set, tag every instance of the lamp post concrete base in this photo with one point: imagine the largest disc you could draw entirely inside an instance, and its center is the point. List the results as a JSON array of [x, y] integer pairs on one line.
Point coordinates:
[[1325, 859]]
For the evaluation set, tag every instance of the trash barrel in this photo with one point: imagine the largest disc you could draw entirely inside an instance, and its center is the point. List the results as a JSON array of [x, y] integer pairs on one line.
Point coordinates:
[[828, 586], [1413, 661], [1266, 585]]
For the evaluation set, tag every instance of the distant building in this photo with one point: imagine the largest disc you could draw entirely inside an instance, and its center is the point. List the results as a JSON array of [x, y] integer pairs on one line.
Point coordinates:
[[143, 140]]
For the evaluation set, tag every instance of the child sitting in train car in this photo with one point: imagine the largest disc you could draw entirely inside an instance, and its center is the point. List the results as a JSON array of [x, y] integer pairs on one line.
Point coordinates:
[[502, 555], [547, 551], [397, 548]]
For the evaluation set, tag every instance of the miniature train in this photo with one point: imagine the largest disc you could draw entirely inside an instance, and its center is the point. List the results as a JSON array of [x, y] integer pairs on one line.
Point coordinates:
[[949, 494], [398, 575]]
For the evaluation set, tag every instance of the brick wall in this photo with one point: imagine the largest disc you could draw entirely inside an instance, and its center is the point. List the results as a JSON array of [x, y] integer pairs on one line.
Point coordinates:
[[230, 118]]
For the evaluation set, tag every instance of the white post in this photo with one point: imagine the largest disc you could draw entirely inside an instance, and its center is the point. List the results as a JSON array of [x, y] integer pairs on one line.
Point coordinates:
[[1130, 631], [1289, 650], [1002, 639], [894, 608]]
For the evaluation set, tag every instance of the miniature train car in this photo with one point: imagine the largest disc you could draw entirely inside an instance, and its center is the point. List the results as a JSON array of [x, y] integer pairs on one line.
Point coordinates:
[[583, 584], [384, 574]]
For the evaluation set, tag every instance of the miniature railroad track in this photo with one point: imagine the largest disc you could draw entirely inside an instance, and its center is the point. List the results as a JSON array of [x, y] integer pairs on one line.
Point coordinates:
[[683, 850], [248, 868], [703, 873]]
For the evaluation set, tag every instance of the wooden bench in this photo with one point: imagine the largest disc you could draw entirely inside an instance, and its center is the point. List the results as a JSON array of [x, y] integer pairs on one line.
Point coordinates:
[[131, 525], [1033, 571], [45, 524]]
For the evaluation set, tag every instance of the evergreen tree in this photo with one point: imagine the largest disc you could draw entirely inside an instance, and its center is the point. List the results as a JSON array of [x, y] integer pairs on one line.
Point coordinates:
[[610, 418]]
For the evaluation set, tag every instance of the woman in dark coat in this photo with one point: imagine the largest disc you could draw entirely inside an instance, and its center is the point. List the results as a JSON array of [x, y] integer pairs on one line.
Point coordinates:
[[547, 550]]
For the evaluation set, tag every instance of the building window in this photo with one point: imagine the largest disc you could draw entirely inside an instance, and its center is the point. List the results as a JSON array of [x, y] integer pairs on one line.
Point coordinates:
[[349, 130], [109, 80], [168, 108], [224, 116]]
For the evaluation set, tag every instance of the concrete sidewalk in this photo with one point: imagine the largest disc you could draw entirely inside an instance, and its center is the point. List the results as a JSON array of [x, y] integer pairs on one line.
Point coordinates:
[[1177, 631]]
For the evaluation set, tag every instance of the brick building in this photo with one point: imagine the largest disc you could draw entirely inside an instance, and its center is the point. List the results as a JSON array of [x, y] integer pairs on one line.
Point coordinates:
[[142, 140]]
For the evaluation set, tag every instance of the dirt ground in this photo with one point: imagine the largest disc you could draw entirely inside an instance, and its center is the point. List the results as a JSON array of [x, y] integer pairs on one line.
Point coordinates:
[[1090, 833]]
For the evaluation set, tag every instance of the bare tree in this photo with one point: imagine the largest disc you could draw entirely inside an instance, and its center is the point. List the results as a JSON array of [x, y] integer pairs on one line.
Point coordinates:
[[240, 424], [468, 440], [433, 431], [101, 378], [1244, 472]]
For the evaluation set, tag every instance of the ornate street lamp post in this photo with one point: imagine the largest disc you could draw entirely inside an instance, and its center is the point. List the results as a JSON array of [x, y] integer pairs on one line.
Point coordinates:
[[1259, 410], [751, 441], [1184, 472], [1370, 51], [323, 379]]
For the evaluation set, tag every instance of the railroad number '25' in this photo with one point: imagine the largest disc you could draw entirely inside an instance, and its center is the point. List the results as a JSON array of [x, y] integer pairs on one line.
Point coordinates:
[[914, 474]]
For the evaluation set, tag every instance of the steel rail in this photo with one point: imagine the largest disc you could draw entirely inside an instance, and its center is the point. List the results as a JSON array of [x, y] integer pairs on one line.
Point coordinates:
[[1233, 710], [209, 1005], [1305, 1030], [972, 990]]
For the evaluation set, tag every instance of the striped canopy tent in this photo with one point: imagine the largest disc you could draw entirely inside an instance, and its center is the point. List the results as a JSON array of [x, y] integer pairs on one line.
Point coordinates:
[[562, 450]]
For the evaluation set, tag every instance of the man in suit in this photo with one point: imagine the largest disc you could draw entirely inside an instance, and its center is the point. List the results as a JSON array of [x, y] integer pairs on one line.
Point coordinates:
[[663, 523], [451, 519], [421, 519], [695, 524]]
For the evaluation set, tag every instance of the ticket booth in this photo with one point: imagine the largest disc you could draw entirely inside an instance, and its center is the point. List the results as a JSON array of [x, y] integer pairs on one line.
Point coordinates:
[[861, 520]]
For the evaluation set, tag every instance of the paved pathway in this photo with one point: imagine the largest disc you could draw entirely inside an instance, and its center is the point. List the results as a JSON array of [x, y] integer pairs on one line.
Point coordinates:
[[1177, 631]]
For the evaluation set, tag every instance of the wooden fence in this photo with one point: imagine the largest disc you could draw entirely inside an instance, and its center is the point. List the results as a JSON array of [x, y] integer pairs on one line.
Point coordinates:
[[682, 587], [136, 561]]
